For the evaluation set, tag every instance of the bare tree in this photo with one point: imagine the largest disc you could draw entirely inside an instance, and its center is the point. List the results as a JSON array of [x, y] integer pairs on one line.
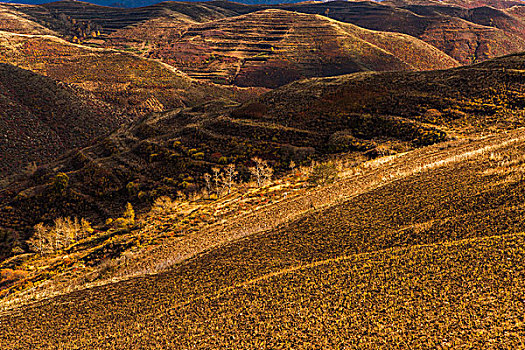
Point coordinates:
[[217, 179], [64, 232], [231, 175], [39, 239], [262, 172], [207, 178]]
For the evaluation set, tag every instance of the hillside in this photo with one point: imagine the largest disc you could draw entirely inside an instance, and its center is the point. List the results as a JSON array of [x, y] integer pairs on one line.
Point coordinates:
[[363, 115], [217, 175], [137, 87], [274, 47], [41, 119], [427, 258], [466, 33], [61, 14], [14, 21]]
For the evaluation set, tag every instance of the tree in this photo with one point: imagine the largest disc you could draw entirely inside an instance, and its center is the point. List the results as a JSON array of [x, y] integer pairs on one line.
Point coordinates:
[[323, 173], [61, 182], [217, 179], [129, 214], [38, 241], [64, 232], [262, 172], [207, 178], [231, 175], [292, 165]]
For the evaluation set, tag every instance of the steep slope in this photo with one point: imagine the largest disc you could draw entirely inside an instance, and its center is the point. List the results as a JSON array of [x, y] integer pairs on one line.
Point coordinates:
[[430, 258], [273, 47], [41, 119], [134, 84]]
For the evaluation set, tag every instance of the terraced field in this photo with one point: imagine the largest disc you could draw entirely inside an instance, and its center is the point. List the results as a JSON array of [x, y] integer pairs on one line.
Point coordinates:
[[111, 19], [139, 86], [467, 35], [274, 47], [430, 260], [14, 21]]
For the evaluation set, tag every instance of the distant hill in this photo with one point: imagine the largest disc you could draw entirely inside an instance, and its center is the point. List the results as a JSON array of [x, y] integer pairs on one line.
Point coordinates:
[[273, 47], [133, 84], [15, 21], [466, 34], [140, 3]]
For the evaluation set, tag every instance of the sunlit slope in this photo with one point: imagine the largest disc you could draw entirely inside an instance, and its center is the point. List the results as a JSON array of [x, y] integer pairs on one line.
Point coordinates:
[[15, 21], [430, 260], [363, 114], [274, 47], [127, 81], [467, 35]]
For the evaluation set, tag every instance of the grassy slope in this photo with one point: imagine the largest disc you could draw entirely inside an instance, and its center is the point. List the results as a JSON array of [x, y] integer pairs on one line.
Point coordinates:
[[14, 21], [430, 260], [362, 114], [467, 36], [112, 19]]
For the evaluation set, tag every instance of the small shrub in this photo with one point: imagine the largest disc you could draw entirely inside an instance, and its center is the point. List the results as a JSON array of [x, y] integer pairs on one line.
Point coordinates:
[[323, 173], [60, 182]]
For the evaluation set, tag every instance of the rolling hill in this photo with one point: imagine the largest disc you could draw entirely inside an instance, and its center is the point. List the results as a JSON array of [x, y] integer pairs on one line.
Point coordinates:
[[137, 87], [274, 47], [466, 34], [14, 21], [363, 115], [381, 209]]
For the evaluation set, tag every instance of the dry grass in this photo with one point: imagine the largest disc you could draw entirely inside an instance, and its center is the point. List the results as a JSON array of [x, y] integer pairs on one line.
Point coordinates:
[[175, 231], [429, 260]]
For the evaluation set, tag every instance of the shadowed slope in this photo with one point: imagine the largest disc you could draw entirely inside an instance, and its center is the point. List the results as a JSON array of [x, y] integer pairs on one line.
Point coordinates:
[[41, 119]]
